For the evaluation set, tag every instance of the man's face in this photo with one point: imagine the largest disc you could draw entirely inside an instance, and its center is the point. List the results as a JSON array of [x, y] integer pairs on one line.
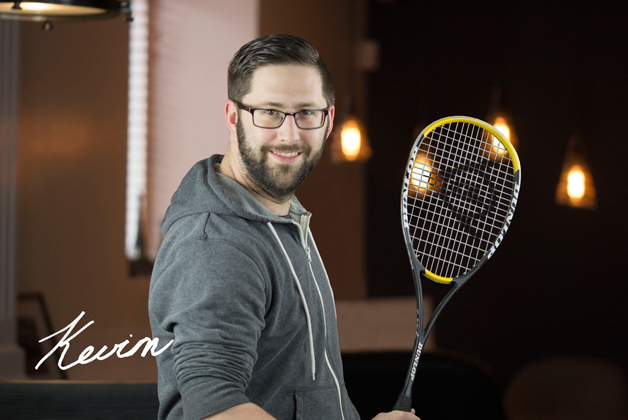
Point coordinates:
[[278, 160]]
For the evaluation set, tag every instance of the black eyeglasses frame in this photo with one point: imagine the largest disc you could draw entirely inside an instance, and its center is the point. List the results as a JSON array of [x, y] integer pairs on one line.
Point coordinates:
[[285, 114]]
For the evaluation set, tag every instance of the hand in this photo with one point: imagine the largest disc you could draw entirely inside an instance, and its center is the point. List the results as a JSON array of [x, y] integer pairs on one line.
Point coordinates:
[[397, 415]]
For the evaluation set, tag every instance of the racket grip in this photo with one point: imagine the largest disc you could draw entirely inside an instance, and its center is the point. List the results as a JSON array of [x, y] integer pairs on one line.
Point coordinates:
[[403, 404]]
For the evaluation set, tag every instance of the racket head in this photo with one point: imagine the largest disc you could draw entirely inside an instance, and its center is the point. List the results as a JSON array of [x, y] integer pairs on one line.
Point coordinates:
[[459, 194]]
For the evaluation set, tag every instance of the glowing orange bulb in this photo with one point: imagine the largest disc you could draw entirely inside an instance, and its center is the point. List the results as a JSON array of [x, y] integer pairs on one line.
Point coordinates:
[[502, 126], [350, 140], [575, 182], [421, 174]]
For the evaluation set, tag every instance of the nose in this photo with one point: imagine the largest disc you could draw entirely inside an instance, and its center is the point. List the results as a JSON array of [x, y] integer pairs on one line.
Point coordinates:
[[288, 131]]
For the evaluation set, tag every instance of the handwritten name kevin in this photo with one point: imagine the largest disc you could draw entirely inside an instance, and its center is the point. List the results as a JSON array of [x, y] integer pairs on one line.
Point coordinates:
[[86, 356]]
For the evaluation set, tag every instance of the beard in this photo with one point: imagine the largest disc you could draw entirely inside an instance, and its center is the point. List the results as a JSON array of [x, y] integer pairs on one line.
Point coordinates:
[[280, 180]]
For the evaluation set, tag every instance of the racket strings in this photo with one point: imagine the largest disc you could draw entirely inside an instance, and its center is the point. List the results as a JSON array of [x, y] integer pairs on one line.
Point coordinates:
[[460, 188], [466, 207], [460, 202]]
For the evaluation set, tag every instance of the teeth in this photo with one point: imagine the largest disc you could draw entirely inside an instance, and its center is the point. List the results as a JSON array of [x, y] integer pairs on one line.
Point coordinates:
[[292, 154]]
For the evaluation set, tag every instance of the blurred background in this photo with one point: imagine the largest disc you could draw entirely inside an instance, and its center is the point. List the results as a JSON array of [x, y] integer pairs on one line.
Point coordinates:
[[106, 121]]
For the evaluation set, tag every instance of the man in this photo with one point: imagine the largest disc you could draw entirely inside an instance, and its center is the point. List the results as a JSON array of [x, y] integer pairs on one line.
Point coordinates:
[[238, 283]]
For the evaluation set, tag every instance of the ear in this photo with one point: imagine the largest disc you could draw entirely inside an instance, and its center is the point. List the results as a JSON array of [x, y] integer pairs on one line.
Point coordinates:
[[332, 112], [231, 117]]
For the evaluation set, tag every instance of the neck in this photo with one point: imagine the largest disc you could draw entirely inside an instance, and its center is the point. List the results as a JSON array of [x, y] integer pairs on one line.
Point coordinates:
[[231, 168]]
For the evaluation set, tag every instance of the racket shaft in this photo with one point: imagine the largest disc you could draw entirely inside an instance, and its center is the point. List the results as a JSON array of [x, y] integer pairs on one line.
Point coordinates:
[[404, 401]]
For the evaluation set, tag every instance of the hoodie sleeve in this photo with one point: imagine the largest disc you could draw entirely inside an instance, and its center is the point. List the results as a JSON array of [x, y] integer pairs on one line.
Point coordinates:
[[212, 296]]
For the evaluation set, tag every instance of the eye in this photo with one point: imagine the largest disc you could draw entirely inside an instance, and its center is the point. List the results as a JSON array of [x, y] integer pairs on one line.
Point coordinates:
[[306, 113], [271, 112]]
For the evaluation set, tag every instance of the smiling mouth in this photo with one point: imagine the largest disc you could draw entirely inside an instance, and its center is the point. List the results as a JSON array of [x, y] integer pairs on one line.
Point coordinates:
[[286, 154]]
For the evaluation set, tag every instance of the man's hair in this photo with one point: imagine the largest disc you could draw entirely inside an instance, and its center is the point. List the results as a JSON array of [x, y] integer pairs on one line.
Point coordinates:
[[275, 50]]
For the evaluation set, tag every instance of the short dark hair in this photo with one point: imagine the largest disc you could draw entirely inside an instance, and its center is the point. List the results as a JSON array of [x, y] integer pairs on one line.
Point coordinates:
[[278, 50]]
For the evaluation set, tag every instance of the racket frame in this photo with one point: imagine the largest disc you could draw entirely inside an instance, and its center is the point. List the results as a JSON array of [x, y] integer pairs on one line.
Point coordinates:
[[404, 401]]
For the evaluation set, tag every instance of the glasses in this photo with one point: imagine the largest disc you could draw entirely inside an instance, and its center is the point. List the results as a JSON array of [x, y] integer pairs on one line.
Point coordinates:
[[308, 119]]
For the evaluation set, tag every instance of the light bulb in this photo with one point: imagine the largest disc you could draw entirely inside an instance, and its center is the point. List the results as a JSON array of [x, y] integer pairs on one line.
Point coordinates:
[[502, 126], [351, 140], [421, 174], [575, 182]]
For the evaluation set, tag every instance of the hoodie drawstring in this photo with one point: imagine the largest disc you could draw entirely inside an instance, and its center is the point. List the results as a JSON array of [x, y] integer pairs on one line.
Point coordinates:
[[307, 311], [325, 270]]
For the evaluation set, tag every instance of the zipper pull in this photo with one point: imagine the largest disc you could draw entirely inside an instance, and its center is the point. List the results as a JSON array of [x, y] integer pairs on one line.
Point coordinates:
[[309, 257]]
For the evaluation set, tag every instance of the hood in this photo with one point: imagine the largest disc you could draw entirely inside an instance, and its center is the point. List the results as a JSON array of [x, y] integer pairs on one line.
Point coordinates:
[[203, 190]]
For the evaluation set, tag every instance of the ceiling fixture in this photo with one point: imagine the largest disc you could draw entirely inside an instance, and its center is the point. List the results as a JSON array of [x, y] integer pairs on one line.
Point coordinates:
[[351, 144], [63, 10], [576, 188]]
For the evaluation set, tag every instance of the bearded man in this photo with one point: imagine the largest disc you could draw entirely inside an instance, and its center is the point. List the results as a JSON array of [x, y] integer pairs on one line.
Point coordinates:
[[238, 284]]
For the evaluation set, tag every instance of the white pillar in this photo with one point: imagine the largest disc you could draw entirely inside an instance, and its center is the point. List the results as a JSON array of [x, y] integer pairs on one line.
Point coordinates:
[[11, 355], [192, 48]]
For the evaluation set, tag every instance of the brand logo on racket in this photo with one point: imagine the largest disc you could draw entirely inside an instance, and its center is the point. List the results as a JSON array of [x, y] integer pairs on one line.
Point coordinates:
[[469, 193], [511, 212], [404, 195]]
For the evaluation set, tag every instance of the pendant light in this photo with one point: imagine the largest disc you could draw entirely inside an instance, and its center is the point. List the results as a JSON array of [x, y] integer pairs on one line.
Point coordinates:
[[63, 10], [575, 187], [351, 143]]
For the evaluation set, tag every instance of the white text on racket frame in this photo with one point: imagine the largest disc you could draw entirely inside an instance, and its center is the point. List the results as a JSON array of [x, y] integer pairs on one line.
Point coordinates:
[[416, 361], [513, 204], [406, 183]]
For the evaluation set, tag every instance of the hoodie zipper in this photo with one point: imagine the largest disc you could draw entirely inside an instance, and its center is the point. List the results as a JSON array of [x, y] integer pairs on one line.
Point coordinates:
[[309, 258]]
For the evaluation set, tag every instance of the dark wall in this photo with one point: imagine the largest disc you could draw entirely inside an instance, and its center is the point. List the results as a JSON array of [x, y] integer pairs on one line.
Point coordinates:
[[557, 284]]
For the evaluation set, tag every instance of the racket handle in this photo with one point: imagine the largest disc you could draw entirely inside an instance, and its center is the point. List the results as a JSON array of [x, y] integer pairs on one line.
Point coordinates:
[[403, 404]]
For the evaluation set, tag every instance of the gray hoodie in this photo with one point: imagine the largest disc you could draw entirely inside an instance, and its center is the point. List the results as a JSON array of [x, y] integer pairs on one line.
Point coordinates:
[[245, 297]]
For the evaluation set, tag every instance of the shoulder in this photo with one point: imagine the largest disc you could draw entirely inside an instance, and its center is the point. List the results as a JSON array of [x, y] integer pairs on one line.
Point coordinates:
[[208, 247], [207, 229]]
